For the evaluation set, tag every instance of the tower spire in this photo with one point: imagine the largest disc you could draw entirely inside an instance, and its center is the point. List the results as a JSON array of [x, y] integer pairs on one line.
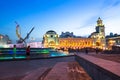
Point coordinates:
[[99, 22]]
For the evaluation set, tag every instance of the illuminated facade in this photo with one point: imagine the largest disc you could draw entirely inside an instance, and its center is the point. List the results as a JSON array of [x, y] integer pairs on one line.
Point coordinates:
[[75, 43], [51, 39], [68, 40], [99, 35], [112, 40], [4, 41]]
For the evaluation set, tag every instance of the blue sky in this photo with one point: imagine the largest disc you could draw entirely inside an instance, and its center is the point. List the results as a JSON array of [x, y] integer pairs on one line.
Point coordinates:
[[77, 16]]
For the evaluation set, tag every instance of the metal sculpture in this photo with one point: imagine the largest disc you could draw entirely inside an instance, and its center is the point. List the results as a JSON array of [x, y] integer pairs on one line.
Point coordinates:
[[21, 40]]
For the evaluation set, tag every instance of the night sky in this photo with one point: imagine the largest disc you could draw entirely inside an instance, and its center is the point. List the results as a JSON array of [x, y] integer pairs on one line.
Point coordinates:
[[77, 16]]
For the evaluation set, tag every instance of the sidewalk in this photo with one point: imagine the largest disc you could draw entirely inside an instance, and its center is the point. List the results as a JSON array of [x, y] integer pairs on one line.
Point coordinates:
[[18, 69], [67, 71], [111, 66]]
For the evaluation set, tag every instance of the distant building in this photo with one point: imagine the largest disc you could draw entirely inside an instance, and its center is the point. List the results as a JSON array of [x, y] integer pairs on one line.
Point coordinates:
[[67, 35], [4, 41], [112, 40]]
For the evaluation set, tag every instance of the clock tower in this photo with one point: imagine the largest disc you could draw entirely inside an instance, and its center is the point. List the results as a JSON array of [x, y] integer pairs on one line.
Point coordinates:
[[100, 30], [100, 27], [99, 35]]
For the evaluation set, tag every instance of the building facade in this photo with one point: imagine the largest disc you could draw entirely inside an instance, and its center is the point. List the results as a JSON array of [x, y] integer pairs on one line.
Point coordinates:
[[50, 39], [4, 41], [68, 40], [112, 40], [75, 43], [99, 35], [67, 35]]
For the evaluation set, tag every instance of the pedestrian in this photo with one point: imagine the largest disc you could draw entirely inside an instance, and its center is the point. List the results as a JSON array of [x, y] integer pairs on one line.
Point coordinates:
[[97, 50], [86, 51], [28, 52], [14, 51]]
